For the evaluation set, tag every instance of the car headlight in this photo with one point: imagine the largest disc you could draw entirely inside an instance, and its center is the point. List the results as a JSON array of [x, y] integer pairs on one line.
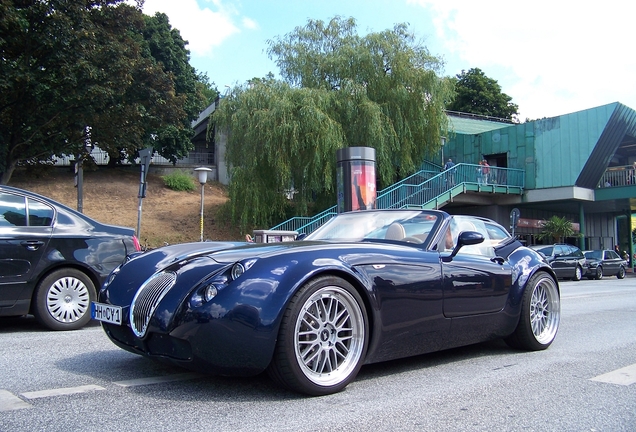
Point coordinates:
[[210, 292], [237, 270], [210, 288]]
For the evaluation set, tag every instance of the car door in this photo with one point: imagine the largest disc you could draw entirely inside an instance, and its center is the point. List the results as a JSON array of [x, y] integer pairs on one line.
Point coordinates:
[[560, 262], [611, 262], [25, 230], [475, 281]]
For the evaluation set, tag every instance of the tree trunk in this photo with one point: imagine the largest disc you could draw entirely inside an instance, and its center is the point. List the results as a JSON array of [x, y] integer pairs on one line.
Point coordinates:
[[6, 174]]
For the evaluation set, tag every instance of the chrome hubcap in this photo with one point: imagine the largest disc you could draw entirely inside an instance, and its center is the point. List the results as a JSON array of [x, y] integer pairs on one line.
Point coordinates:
[[544, 311], [329, 336]]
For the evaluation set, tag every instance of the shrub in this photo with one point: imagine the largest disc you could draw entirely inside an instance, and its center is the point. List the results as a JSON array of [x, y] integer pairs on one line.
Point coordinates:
[[179, 181]]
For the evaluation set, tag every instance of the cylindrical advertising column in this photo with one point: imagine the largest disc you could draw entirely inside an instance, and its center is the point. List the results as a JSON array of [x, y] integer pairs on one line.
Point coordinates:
[[356, 178]]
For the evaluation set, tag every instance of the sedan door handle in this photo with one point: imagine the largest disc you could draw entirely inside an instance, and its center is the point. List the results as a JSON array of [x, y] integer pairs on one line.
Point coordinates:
[[32, 245]]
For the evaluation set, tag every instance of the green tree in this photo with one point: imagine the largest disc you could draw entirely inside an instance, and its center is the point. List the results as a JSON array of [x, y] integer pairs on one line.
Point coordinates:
[[479, 94], [556, 229], [207, 88], [68, 64], [339, 89]]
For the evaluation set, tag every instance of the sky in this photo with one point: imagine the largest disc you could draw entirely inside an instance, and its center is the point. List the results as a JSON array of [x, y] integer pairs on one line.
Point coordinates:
[[551, 57]]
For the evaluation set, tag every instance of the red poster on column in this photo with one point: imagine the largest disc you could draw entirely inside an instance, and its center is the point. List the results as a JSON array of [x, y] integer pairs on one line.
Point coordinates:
[[362, 186]]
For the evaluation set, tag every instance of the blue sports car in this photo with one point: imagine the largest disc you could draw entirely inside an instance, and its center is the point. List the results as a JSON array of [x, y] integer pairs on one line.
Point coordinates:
[[366, 287]]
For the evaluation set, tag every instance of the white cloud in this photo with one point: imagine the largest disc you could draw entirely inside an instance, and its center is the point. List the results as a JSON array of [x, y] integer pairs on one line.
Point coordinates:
[[202, 27], [250, 23], [557, 55]]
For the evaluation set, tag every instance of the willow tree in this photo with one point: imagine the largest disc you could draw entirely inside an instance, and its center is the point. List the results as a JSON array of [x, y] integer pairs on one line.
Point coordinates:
[[338, 89]]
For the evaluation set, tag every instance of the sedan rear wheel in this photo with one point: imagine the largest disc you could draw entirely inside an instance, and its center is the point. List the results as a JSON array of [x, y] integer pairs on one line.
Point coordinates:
[[621, 273], [63, 299], [323, 338], [599, 273], [540, 314]]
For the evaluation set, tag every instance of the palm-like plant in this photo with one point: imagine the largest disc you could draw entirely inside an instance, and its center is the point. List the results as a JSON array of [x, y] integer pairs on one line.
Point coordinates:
[[556, 228]]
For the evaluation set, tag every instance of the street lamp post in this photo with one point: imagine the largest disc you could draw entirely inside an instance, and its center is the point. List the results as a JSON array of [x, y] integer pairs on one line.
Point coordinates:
[[203, 178], [79, 170], [443, 144]]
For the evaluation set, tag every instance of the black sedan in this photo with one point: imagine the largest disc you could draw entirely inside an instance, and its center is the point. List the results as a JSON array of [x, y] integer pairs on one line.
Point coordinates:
[[365, 287], [567, 260], [604, 263], [52, 258]]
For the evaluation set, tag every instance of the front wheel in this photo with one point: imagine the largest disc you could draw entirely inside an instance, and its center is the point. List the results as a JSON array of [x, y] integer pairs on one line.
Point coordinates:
[[578, 273], [599, 273], [63, 299], [323, 338], [540, 314]]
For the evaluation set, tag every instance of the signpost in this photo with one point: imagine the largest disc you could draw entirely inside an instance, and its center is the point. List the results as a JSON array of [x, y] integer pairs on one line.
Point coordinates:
[[515, 214], [145, 155]]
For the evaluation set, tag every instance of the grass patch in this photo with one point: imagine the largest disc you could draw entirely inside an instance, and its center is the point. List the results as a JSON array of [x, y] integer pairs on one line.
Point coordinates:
[[179, 181]]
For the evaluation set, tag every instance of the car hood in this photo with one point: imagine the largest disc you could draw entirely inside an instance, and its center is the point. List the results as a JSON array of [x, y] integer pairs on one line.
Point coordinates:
[[221, 252]]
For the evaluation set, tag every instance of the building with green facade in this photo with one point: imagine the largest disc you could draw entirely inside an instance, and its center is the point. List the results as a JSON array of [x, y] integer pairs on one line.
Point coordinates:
[[579, 166]]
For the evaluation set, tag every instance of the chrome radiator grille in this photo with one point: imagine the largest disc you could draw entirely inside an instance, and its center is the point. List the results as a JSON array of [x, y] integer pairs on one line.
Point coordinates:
[[147, 299]]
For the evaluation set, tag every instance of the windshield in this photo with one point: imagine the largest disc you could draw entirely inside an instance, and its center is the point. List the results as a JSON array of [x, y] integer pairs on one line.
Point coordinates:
[[594, 255], [390, 225]]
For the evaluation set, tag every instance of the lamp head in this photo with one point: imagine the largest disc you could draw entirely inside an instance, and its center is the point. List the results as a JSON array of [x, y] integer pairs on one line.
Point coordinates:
[[203, 174]]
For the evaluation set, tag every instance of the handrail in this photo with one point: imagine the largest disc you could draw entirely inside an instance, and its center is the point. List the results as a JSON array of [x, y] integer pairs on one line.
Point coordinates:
[[420, 189], [624, 175]]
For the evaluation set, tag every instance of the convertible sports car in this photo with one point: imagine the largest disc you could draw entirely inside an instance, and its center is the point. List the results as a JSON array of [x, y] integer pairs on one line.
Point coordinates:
[[366, 287]]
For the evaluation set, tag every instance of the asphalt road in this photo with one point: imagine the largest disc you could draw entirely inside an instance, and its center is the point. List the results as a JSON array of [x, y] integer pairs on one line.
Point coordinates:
[[71, 381]]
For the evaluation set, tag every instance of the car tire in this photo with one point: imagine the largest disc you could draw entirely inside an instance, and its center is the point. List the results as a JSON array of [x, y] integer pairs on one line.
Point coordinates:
[[63, 300], [621, 273], [323, 338], [578, 273], [599, 273], [540, 314]]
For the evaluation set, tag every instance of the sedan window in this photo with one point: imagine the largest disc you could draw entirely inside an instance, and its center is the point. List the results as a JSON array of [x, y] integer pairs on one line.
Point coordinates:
[[39, 214], [12, 210]]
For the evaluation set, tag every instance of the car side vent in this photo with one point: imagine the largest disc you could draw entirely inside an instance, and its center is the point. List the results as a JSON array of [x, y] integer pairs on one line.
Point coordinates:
[[147, 299]]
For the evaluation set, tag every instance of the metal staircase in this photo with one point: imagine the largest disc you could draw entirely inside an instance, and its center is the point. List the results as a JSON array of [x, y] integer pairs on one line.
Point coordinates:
[[427, 189]]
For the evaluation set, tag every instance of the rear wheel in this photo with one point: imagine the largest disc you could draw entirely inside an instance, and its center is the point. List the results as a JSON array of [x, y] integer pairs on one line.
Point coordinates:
[[621, 273], [63, 299], [599, 273], [323, 338], [540, 314]]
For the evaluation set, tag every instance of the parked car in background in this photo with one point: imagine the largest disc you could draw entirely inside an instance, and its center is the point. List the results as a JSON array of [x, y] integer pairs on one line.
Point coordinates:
[[53, 258], [365, 287], [604, 263], [567, 261]]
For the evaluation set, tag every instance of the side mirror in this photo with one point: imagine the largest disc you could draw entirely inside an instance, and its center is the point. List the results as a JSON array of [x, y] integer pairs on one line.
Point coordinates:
[[466, 238], [301, 236]]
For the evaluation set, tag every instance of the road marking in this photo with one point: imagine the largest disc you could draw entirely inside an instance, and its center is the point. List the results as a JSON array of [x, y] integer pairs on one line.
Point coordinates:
[[158, 380], [10, 402], [624, 376], [61, 391]]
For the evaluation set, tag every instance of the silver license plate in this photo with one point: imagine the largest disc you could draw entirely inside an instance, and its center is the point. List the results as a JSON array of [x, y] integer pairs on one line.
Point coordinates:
[[106, 313]]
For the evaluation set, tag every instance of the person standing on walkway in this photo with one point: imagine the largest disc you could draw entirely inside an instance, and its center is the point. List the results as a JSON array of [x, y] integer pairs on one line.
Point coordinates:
[[480, 175], [485, 170], [450, 172]]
